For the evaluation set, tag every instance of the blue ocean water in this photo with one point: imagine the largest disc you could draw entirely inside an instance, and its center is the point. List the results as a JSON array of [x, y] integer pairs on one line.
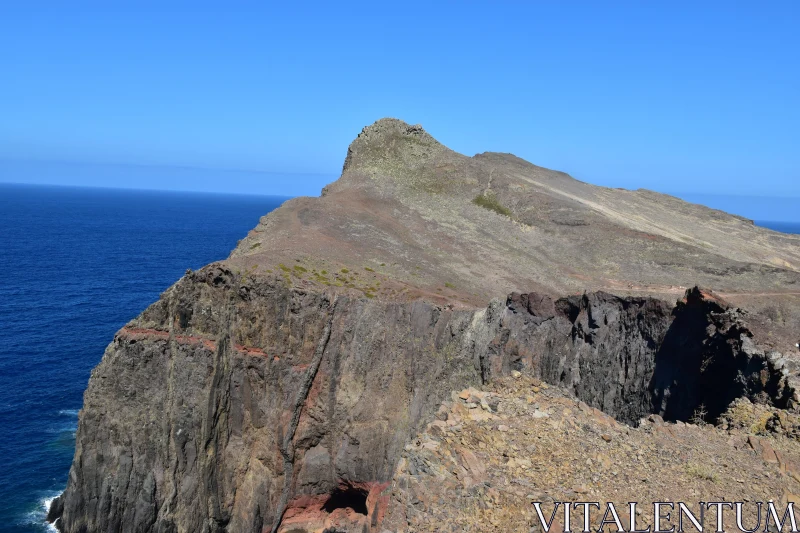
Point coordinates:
[[783, 227], [76, 265]]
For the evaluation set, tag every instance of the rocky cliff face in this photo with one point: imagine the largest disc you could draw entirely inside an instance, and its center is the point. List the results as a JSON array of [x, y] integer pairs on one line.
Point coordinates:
[[277, 390], [232, 401], [630, 357], [233, 404]]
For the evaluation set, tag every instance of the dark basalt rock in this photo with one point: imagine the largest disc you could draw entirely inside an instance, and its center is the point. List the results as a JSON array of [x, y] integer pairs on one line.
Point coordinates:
[[708, 359], [56, 509], [631, 357], [598, 345]]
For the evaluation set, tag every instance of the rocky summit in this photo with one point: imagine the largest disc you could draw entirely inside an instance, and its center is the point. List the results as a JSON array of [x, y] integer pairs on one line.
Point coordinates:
[[438, 341]]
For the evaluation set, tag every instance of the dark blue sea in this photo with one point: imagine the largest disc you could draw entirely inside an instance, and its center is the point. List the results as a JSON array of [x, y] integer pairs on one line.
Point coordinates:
[[76, 264], [783, 227]]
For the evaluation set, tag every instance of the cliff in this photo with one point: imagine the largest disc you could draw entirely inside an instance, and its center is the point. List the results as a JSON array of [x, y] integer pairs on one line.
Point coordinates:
[[279, 390]]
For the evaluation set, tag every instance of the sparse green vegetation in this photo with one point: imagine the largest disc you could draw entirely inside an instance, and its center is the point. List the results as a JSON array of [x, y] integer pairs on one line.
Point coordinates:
[[344, 271], [368, 269], [324, 272], [286, 273], [700, 472], [320, 277], [298, 268], [255, 245], [489, 201], [449, 285], [759, 427]]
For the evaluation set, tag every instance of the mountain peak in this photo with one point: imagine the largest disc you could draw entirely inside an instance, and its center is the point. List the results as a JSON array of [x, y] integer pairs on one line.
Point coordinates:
[[388, 128], [387, 139]]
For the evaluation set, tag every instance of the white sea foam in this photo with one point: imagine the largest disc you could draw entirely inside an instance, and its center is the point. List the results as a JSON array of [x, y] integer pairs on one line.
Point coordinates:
[[38, 516], [68, 412], [47, 525], [46, 503]]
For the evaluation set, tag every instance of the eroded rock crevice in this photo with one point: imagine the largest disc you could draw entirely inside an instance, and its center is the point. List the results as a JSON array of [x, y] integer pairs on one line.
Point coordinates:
[[631, 357], [287, 446], [708, 359]]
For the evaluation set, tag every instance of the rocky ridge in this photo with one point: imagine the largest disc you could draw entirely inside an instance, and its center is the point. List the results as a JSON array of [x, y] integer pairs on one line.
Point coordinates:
[[279, 390]]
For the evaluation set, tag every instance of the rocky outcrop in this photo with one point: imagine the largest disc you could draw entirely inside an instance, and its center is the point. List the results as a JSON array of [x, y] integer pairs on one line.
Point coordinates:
[[708, 359], [479, 470], [630, 357], [600, 346], [239, 404]]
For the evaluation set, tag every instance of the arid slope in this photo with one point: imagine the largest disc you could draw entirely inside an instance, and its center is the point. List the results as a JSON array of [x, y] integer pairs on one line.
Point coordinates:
[[404, 215]]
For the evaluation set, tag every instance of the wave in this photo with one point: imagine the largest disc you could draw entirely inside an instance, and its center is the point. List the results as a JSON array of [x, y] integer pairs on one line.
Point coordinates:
[[37, 518], [46, 503], [68, 412]]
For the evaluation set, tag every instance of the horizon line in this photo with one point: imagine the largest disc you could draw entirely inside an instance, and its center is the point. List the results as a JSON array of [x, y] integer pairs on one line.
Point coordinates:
[[161, 165], [140, 189], [225, 193]]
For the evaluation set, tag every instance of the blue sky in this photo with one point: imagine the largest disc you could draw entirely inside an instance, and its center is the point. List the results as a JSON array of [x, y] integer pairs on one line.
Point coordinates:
[[680, 97]]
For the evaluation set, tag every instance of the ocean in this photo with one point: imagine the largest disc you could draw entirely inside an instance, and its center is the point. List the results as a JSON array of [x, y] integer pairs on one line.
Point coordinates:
[[783, 227], [75, 265]]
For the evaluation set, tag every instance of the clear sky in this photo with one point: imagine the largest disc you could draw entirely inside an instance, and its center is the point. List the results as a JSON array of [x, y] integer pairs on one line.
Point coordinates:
[[680, 97]]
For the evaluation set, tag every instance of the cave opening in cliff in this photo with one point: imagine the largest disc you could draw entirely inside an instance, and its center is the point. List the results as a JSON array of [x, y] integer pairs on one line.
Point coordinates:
[[347, 498]]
